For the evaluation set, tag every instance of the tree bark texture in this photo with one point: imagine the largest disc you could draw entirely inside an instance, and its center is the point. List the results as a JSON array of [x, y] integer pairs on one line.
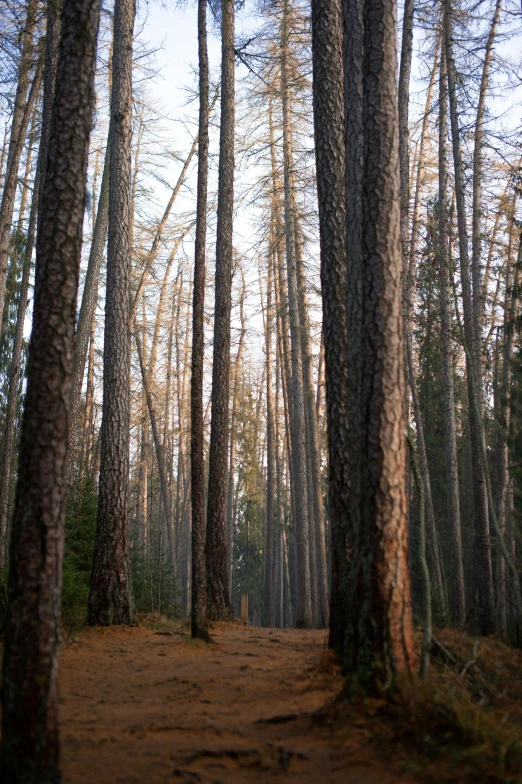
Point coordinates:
[[29, 750], [110, 596], [328, 90], [371, 617], [215, 547]]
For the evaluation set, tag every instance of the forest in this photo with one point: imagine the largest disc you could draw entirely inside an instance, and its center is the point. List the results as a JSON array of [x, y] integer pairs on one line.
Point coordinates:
[[261, 382]]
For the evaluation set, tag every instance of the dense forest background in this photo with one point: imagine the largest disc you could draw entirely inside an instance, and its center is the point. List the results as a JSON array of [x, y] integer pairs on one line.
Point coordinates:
[[276, 313]]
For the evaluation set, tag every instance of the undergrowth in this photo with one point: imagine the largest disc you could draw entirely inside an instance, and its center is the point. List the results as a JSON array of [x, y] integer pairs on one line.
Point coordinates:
[[462, 724]]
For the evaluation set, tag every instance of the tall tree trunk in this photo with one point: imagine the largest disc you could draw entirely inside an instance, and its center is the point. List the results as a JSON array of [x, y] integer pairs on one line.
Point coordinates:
[[215, 548], [110, 596], [304, 612], [371, 618], [159, 449], [238, 368], [476, 235], [272, 534], [88, 424], [473, 360], [89, 298], [450, 426], [317, 521], [429, 513], [29, 750], [511, 305]]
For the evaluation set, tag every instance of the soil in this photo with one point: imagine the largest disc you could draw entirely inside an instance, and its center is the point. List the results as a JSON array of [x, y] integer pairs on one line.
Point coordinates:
[[151, 705]]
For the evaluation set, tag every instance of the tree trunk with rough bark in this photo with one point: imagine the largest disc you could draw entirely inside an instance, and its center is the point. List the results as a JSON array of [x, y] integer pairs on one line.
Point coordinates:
[[110, 596], [197, 437], [371, 617], [218, 595], [29, 750]]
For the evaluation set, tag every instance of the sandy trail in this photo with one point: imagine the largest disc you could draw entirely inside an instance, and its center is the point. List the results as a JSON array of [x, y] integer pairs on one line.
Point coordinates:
[[147, 707]]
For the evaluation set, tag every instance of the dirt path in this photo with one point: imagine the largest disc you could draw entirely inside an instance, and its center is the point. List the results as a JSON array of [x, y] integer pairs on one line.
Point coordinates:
[[144, 706]]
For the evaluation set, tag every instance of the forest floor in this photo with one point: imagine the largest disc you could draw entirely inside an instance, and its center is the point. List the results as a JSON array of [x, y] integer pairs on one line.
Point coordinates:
[[149, 705]]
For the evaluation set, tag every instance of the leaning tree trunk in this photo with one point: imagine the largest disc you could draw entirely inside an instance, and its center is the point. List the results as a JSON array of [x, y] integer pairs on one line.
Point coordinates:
[[29, 750], [89, 301], [110, 596], [215, 548]]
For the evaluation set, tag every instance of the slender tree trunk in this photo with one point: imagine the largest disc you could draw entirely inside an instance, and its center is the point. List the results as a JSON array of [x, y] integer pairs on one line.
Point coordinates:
[[450, 426], [197, 444], [89, 298], [304, 613], [88, 425], [317, 521], [511, 306], [52, 42], [272, 534], [110, 597], [410, 273], [21, 118], [158, 236], [238, 368], [426, 582], [158, 447], [473, 361], [29, 750], [215, 549], [15, 372], [476, 235], [428, 513]]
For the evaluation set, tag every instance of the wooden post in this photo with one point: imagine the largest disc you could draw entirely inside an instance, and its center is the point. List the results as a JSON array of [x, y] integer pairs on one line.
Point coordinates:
[[244, 608]]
